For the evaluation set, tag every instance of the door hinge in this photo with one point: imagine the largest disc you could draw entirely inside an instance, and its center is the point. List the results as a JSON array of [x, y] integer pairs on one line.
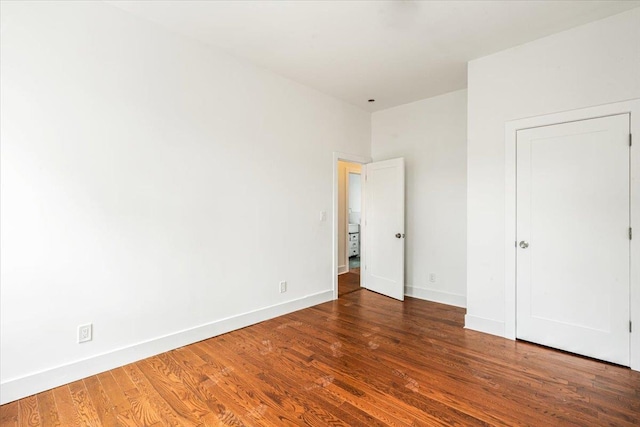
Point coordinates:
[[630, 140], [630, 233], [630, 329]]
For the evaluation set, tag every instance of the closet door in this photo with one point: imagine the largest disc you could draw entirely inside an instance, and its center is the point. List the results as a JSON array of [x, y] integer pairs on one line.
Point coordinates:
[[573, 250]]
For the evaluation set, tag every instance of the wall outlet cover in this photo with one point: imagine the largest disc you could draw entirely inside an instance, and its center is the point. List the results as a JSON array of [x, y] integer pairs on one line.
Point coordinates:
[[85, 333]]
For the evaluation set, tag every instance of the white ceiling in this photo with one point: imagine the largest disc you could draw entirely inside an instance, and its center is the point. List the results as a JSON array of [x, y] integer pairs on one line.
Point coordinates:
[[393, 51]]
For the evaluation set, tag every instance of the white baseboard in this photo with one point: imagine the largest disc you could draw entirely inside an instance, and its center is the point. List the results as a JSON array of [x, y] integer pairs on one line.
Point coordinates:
[[342, 269], [44, 380], [436, 296], [480, 324]]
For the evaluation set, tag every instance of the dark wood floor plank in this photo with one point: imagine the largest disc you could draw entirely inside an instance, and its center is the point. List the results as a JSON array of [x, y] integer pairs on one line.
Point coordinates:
[[258, 386], [243, 403], [120, 404], [471, 385], [284, 390], [382, 402], [348, 282], [169, 380], [195, 376], [567, 421], [67, 412], [362, 360], [288, 358], [224, 380], [163, 408], [337, 392], [369, 375], [29, 412], [101, 402], [397, 372], [87, 414], [47, 409], [9, 414], [142, 411]]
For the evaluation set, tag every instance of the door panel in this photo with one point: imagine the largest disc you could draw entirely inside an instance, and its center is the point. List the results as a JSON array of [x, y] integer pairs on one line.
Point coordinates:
[[573, 212], [384, 218]]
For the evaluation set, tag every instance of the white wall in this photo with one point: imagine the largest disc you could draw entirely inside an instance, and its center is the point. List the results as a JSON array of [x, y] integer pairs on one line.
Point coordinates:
[[593, 64], [153, 186], [431, 136], [355, 197]]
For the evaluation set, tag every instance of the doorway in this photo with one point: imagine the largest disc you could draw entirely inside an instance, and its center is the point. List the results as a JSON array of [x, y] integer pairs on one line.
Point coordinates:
[[381, 232], [349, 222], [340, 228]]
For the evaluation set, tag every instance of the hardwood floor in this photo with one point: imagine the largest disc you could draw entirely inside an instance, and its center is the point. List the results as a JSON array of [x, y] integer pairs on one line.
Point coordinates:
[[363, 360], [348, 282]]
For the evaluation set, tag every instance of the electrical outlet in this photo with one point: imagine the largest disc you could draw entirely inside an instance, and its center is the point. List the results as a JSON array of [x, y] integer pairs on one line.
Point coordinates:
[[432, 277], [85, 333], [283, 287]]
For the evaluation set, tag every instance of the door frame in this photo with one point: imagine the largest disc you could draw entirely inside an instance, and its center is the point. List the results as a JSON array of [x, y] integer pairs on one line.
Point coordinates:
[[632, 107], [345, 157]]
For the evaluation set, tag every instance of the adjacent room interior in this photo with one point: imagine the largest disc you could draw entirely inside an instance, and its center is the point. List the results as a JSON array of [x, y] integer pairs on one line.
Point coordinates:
[[349, 216], [319, 213]]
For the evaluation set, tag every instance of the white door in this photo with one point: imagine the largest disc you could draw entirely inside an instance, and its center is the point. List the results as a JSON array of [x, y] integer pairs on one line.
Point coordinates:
[[383, 228], [573, 247]]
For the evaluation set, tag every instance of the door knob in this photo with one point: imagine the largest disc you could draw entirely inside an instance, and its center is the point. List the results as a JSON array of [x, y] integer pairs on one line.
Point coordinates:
[[524, 245], [398, 235]]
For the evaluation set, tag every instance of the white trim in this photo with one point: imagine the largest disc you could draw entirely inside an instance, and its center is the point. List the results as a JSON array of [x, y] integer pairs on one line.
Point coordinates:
[[633, 108], [347, 158], [44, 380], [436, 296], [342, 269], [481, 324]]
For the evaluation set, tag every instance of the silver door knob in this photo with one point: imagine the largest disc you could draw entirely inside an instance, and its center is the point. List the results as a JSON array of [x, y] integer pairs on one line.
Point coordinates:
[[524, 245]]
